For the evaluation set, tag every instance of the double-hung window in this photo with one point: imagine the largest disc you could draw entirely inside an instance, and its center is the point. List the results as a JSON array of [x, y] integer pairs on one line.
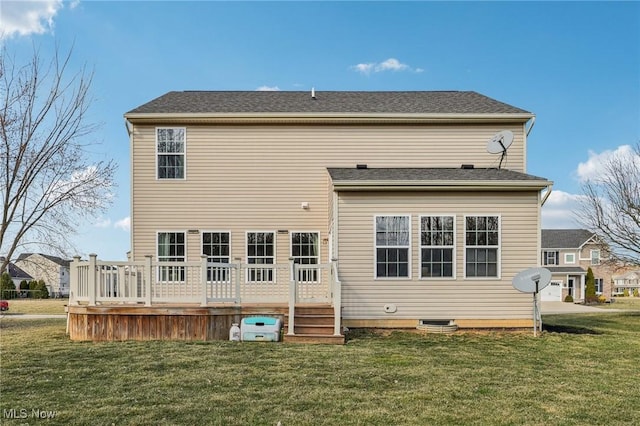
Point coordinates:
[[171, 248], [393, 238], [437, 240], [260, 251], [216, 246], [595, 257], [551, 257], [170, 147], [482, 245], [305, 250], [599, 285]]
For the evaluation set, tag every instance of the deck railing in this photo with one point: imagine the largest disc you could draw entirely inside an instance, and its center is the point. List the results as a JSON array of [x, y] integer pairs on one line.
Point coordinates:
[[151, 282]]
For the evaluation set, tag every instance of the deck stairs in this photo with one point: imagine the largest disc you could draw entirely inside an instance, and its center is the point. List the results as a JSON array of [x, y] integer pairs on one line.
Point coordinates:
[[313, 324]]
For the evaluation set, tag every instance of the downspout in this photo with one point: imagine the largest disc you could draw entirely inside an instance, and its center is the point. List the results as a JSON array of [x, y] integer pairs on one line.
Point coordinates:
[[533, 122], [129, 127]]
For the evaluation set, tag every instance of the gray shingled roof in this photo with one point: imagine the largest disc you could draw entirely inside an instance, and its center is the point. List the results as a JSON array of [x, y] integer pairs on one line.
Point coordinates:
[[564, 238], [54, 259], [451, 102], [356, 175], [15, 272]]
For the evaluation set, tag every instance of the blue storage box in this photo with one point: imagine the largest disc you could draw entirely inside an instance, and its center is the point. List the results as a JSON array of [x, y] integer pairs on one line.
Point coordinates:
[[260, 329]]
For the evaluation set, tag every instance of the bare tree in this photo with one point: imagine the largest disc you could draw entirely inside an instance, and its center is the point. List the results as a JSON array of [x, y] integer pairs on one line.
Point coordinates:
[[611, 204], [48, 183]]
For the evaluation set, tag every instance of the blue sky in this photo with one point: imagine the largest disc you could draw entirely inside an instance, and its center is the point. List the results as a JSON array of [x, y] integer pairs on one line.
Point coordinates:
[[576, 65]]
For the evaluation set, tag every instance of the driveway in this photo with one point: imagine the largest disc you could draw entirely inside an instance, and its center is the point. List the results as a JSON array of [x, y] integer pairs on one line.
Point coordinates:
[[570, 308]]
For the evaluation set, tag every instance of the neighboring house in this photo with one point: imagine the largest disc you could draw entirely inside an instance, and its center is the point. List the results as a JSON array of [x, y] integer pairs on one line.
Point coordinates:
[[629, 281], [17, 274], [374, 179], [53, 270], [568, 254]]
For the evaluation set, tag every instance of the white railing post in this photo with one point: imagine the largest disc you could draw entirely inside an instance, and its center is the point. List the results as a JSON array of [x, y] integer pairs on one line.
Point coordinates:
[[203, 278], [336, 287], [292, 298], [74, 277], [238, 277], [92, 282], [148, 279]]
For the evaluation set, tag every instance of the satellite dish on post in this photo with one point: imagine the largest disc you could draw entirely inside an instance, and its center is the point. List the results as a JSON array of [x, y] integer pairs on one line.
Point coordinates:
[[499, 144], [533, 280]]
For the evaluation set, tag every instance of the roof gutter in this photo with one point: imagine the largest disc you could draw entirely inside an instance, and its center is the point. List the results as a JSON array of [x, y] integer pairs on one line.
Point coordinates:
[[440, 185]]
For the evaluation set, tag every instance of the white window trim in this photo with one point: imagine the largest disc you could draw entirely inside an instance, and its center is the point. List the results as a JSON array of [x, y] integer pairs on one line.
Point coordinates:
[[215, 231], [566, 258], [180, 231], [454, 247], [557, 257], [319, 251], [591, 252], [275, 252], [184, 177], [499, 251], [375, 246]]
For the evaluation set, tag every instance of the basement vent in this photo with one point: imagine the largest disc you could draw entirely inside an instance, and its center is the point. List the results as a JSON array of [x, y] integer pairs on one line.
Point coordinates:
[[467, 166], [361, 166]]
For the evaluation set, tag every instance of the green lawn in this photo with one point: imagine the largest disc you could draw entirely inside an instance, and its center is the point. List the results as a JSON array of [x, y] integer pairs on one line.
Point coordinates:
[[584, 372], [37, 306]]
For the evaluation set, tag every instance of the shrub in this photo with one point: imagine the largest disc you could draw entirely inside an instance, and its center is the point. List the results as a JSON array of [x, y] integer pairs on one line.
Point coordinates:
[[588, 300], [7, 287], [41, 290], [568, 298], [590, 286], [625, 293], [635, 292], [602, 299], [24, 288]]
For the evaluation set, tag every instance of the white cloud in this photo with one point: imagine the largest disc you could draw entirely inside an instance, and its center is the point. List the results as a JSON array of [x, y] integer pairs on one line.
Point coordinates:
[[560, 210], [124, 224], [391, 64], [595, 165], [268, 89], [28, 17]]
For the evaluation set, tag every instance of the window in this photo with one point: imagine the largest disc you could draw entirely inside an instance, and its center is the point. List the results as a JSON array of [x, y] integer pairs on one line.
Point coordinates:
[[171, 248], [305, 250], [437, 239], [216, 246], [569, 258], [260, 251], [599, 285], [482, 241], [595, 257], [392, 246], [551, 257], [170, 144]]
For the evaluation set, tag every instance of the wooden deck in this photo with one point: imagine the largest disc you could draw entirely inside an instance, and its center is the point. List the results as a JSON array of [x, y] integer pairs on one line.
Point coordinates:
[[113, 322]]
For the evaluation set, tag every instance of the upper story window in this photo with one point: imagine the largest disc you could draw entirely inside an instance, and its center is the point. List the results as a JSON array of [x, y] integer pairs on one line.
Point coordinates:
[[305, 250], [216, 246], [569, 258], [482, 244], [171, 248], [392, 246], [437, 240], [551, 257], [260, 251], [595, 257], [170, 148]]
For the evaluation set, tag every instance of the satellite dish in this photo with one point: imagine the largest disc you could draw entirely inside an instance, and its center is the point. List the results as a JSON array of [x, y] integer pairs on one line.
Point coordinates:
[[499, 144], [533, 280]]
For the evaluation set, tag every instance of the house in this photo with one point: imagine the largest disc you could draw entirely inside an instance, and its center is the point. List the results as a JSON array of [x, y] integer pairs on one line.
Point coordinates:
[[568, 254], [384, 207], [17, 274], [628, 282], [53, 270]]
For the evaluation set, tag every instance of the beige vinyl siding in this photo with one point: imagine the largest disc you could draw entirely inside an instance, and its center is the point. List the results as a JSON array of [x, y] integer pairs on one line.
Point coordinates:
[[256, 177], [479, 298]]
